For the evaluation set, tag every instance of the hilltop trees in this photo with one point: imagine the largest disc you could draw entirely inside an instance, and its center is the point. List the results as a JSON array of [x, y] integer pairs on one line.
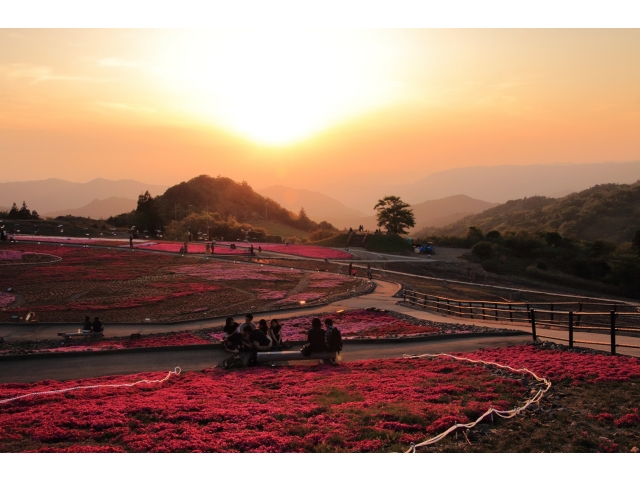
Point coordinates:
[[147, 214], [394, 215], [23, 213]]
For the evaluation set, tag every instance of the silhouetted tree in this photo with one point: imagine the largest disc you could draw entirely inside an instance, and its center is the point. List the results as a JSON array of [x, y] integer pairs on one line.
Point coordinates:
[[147, 214], [394, 215]]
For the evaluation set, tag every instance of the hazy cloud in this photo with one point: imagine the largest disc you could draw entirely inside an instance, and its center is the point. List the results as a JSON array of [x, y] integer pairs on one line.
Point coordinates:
[[39, 73]]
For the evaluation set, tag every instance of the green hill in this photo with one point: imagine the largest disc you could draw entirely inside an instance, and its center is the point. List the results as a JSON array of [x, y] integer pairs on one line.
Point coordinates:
[[608, 212], [204, 200]]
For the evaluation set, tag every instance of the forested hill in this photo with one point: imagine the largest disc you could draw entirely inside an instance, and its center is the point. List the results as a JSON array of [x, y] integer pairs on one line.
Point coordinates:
[[605, 212], [228, 198]]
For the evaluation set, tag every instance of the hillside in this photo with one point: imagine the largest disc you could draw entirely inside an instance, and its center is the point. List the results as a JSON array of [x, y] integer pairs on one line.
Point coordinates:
[[98, 208], [316, 204], [605, 212], [54, 195]]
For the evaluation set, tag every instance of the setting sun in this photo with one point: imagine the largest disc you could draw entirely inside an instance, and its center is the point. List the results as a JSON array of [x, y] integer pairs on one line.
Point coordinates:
[[276, 87]]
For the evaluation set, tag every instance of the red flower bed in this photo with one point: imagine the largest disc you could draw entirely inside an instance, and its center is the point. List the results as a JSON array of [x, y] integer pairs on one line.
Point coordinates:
[[364, 406], [191, 247], [354, 323], [557, 365], [309, 251], [164, 340]]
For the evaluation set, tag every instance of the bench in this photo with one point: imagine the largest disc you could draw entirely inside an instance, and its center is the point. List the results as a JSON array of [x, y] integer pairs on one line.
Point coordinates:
[[67, 336], [293, 355]]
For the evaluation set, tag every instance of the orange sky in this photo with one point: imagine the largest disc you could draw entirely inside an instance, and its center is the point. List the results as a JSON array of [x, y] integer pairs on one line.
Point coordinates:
[[314, 107]]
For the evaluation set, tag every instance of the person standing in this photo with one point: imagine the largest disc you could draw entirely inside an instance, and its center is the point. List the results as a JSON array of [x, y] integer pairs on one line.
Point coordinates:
[[369, 271], [350, 268], [251, 250], [130, 241]]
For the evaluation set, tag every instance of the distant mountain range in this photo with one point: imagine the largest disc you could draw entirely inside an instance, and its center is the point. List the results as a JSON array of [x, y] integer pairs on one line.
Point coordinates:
[[432, 213], [54, 195], [100, 209], [507, 182], [318, 206]]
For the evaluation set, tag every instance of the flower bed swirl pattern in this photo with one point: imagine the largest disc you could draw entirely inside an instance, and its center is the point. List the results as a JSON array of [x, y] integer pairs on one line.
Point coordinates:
[[129, 286]]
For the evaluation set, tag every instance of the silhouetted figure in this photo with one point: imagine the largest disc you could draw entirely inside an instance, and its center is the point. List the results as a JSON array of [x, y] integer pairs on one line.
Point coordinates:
[[86, 326], [130, 241], [97, 325]]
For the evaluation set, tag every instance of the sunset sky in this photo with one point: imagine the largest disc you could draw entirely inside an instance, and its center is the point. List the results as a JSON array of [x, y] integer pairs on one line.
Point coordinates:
[[313, 107]]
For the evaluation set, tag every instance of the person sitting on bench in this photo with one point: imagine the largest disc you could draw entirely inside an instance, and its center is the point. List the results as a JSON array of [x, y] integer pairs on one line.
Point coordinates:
[[275, 332], [97, 325], [248, 322], [256, 339], [232, 339], [316, 337], [86, 326]]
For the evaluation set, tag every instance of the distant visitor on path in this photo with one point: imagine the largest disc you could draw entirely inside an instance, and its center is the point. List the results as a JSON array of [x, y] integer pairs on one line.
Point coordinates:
[[213, 245], [97, 325], [86, 326], [186, 249], [350, 268], [369, 271], [130, 241], [259, 249], [207, 248], [251, 249]]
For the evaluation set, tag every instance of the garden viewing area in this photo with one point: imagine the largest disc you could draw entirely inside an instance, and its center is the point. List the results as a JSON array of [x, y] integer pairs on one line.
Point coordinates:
[[417, 373]]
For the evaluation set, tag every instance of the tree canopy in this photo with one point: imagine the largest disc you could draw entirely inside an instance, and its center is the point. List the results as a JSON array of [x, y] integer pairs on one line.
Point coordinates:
[[394, 215]]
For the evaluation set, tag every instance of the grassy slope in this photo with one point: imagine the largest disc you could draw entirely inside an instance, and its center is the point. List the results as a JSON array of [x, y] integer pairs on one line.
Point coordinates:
[[275, 228], [387, 244], [337, 241]]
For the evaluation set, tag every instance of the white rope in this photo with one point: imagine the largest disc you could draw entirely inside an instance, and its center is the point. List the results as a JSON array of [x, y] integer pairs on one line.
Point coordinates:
[[501, 413], [176, 371]]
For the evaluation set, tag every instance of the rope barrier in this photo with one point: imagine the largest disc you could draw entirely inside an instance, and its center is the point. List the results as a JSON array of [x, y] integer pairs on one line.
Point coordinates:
[[501, 413], [176, 371]]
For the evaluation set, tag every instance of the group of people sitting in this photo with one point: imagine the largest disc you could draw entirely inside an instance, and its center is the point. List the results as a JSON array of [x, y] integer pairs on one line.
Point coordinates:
[[88, 327], [262, 337]]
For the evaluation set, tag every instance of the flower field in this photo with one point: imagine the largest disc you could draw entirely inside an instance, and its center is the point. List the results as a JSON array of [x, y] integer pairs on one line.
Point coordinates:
[[379, 405], [6, 299], [365, 406], [125, 285]]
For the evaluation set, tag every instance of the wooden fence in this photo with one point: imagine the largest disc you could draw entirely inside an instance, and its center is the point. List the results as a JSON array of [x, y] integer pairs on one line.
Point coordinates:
[[596, 317]]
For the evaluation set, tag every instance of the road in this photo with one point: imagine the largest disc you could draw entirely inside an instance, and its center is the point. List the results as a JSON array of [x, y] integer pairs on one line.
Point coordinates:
[[33, 369]]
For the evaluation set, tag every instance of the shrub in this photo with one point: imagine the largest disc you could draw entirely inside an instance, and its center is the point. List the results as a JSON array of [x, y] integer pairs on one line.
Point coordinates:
[[482, 250]]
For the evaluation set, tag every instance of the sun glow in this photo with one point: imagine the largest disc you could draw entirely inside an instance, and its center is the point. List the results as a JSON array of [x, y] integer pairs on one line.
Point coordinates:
[[277, 87]]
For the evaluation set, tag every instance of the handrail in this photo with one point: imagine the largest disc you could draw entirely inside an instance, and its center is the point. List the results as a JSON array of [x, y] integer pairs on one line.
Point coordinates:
[[527, 312]]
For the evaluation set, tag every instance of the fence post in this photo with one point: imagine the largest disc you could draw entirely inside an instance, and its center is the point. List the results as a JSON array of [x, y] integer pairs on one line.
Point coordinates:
[[578, 316], [613, 332], [570, 329], [483, 311], [533, 323]]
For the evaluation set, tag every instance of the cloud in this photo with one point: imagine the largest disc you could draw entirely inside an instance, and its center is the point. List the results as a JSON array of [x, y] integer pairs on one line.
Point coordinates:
[[116, 62], [39, 73]]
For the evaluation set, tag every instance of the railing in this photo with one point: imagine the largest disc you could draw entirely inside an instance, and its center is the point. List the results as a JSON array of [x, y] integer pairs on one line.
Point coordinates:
[[572, 316]]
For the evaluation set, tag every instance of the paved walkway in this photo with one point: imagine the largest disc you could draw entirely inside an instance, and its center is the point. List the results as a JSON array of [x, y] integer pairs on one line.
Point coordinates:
[[33, 369]]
